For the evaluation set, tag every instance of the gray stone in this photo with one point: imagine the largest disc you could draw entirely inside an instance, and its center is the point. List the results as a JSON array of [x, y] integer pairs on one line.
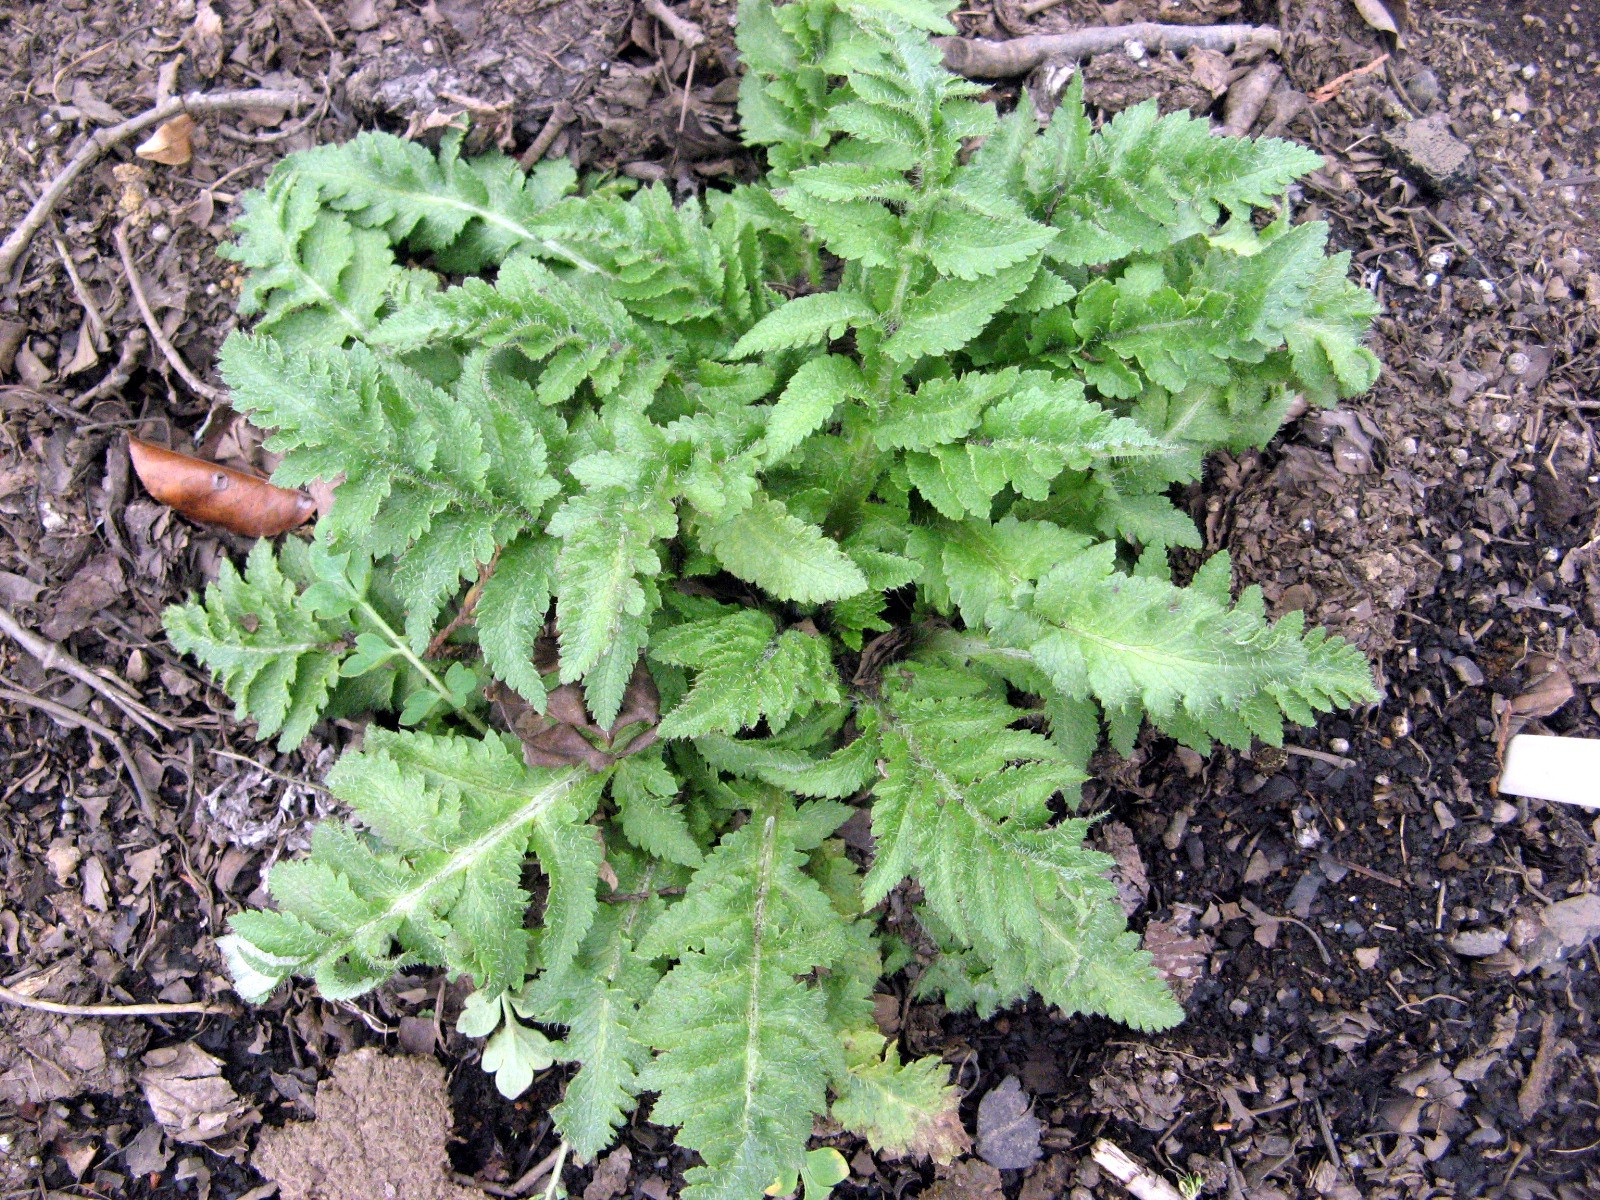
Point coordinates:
[[1427, 148], [1423, 89], [1478, 943]]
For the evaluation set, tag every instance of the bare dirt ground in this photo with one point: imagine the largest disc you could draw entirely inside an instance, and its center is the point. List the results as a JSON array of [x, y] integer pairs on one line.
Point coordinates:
[[1395, 987]]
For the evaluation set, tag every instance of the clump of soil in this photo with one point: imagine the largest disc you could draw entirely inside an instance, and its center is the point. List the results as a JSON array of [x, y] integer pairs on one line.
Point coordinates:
[[381, 1128]]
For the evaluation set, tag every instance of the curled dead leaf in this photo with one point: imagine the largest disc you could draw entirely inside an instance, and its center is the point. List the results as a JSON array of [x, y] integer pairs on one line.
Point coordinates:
[[1376, 14], [1549, 688], [565, 734], [170, 144], [217, 495]]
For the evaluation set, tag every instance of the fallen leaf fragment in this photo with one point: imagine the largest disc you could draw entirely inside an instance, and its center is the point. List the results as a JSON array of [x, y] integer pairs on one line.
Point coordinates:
[[1128, 873], [969, 1179], [1008, 1132], [611, 1176], [1548, 690], [188, 1095], [1376, 14], [218, 495], [170, 144], [1179, 955]]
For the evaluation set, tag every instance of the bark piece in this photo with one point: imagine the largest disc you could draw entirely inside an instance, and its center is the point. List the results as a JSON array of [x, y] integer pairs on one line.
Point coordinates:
[[1427, 148], [977, 58], [381, 1129]]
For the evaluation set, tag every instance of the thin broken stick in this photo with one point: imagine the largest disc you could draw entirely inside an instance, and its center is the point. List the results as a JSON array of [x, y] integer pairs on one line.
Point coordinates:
[[117, 378], [560, 115], [10, 996], [685, 30], [53, 658], [168, 350], [980, 59], [72, 717], [1247, 98], [1114, 1161], [1336, 85], [1333, 760], [196, 103]]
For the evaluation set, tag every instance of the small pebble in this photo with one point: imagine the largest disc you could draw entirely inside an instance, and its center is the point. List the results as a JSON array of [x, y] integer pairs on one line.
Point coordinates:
[[1401, 726], [1340, 745], [1423, 88], [1466, 670], [1478, 943], [1504, 813]]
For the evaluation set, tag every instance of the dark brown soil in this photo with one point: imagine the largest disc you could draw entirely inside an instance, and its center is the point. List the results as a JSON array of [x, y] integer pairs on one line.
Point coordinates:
[[1339, 1042]]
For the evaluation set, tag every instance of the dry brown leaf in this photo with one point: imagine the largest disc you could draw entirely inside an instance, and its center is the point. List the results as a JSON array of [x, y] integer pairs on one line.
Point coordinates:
[[1008, 1130], [1376, 13], [1128, 873], [84, 355], [170, 144], [1179, 955], [217, 495], [565, 734], [1211, 70], [205, 39], [969, 1179], [611, 1176], [1549, 689], [185, 1089]]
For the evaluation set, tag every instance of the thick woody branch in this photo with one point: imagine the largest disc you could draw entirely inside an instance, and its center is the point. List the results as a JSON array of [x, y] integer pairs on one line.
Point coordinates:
[[979, 59]]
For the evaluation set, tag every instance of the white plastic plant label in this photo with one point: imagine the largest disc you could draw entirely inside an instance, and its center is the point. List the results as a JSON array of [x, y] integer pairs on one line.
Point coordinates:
[[1553, 768]]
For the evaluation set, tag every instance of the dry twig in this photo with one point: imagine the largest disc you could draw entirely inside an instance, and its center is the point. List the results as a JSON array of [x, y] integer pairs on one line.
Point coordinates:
[[1336, 85], [62, 713], [1334, 760], [11, 996], [53, 658], [559, 116], [102, 140], [168, 350], [980, 59], [117, 377], [1114, 1161], [275, 135], [685, 30], [1248, 97], [469, 604]]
